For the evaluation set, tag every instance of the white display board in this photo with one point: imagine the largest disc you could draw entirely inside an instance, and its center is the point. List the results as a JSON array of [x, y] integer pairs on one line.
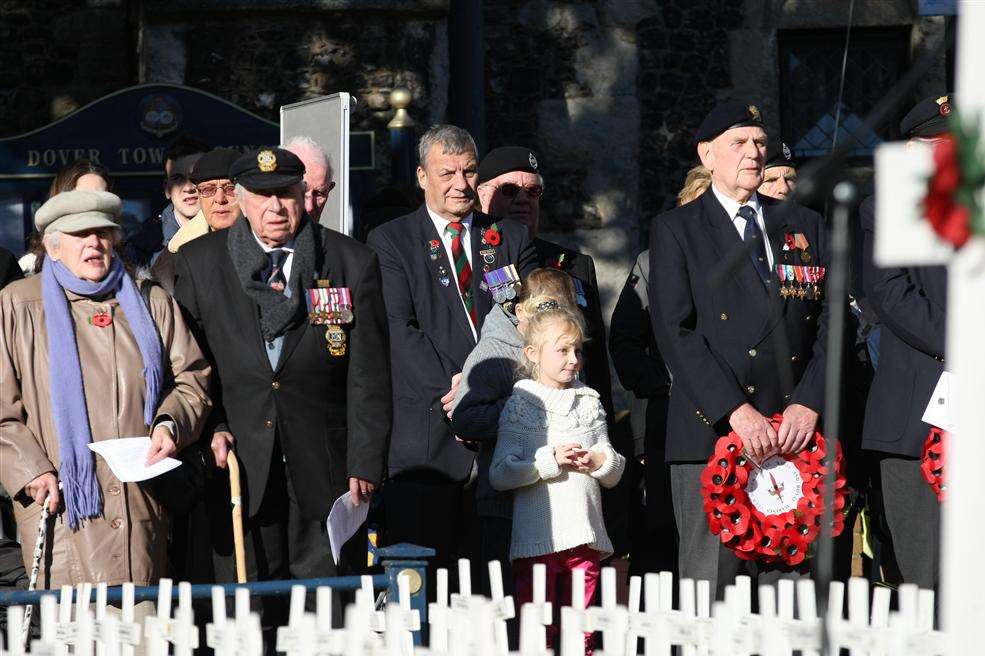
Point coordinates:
[[326, 120]]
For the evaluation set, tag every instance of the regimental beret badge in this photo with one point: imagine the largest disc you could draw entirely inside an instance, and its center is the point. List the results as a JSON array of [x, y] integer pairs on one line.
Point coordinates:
[[267, 161], [754, 113], [786, 152], [944, 105], [532, 160]]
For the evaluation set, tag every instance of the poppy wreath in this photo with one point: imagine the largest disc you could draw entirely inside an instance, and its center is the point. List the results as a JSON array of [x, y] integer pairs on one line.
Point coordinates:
[[951, 204], [932, 463], [784, 538]]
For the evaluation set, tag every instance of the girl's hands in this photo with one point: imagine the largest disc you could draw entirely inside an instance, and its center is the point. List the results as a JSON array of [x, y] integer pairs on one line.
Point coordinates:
[[588, 461], [566, 455]]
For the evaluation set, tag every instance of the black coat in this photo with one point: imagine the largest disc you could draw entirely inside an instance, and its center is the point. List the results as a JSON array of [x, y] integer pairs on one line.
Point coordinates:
[[911, 303], [9, 269], [331, 413], [430, 335], [582, 267], [638, 363], [739, 341]]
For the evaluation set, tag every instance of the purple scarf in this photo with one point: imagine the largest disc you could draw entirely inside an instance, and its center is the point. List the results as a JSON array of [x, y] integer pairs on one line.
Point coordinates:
[[68, 404]]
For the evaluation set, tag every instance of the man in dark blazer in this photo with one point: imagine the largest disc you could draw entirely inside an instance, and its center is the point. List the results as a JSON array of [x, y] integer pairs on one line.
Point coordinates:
[[511, 186], [743, 348], [292, 317], [433, 262], [911, 305]]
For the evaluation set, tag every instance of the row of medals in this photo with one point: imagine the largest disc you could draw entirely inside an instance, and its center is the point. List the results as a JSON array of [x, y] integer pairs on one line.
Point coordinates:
[[809, 291]]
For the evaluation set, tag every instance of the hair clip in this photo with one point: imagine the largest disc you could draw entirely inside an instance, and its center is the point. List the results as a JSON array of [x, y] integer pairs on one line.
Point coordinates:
[[548, 305]]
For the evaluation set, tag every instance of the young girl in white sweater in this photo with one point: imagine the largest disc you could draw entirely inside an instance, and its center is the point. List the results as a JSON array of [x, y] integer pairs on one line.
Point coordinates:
[[553, 451]]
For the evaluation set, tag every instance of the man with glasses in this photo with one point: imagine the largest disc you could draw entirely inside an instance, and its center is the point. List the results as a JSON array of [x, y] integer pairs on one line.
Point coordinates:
[[215, 191], [291, 316], [511, 186]]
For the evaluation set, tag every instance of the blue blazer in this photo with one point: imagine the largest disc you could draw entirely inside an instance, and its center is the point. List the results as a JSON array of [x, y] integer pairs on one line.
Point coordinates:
[[430, 335], [737, 341], [911, 303]]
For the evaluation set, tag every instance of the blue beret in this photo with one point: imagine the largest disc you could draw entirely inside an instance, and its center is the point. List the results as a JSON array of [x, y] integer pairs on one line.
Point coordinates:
[[267, 168]]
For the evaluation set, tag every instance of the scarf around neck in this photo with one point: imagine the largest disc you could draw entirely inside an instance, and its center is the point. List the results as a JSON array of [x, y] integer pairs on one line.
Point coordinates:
[[68, 404], [277, 311]]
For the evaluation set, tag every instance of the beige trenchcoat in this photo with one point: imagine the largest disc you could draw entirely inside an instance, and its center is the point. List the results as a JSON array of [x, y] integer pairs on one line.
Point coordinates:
[[129, 541]]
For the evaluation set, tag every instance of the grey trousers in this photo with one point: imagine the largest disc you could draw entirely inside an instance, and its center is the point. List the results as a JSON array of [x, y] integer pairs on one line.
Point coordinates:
[[701, 555], [914, 519]]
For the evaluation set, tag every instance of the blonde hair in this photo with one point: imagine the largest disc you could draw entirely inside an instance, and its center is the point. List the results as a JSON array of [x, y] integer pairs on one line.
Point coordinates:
[[547, 313], [549, 283], [696, 182]]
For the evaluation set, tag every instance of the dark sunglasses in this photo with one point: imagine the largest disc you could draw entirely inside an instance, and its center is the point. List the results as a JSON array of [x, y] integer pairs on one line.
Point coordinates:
[[511, 190]]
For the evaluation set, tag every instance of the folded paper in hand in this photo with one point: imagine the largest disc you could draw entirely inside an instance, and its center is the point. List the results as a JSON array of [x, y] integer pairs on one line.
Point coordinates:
[[941, 410], [344, 520], [126, 457]]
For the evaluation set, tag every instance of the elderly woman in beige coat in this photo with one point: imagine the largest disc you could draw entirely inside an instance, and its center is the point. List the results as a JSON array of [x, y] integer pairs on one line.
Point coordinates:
[[83, 359]]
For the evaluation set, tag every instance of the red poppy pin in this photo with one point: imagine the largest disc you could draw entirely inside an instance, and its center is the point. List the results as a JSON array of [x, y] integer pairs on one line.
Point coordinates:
[[101, 320], [491, 236], [790, 242]]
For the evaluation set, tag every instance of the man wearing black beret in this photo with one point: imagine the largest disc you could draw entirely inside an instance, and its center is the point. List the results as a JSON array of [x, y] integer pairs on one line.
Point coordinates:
[[511, 186], [210, 175], [291, 316], [779, 171], [743, 349], [911, 306]]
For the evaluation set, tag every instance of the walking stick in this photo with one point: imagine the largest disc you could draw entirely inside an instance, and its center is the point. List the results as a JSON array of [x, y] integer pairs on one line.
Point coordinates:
[[237, 501], [36, 568]]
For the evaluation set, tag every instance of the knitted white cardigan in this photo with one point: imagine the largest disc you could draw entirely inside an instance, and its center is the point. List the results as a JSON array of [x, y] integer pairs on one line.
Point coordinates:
[[553, 508]]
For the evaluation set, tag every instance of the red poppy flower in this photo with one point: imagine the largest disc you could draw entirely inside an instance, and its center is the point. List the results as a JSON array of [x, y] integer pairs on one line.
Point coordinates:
[[932, 464], [491, 236], [951, 220], [102, 319], [791, 242]]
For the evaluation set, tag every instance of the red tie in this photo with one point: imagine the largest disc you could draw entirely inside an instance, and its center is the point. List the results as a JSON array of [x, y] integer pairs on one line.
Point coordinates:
[[463, 270]]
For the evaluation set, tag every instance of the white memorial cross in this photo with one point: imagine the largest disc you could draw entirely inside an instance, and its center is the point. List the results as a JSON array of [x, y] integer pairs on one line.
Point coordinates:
[[462, 604], [439, 614], [220, 633], [125, 633], [503, 606], [575, 619], [65, 628], [377, 619], [611, 618], [904, 238], [298, 637]]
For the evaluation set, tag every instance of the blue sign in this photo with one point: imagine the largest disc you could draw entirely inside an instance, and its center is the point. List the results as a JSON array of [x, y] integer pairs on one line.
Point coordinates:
[[128, 132]]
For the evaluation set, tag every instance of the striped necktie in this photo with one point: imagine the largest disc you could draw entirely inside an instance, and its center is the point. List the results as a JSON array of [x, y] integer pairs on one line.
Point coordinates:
[[463, 271], [275, 277]]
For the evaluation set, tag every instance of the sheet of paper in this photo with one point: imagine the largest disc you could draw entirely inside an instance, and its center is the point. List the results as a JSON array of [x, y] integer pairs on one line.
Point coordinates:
[[941, 411], [344, 520], [126, 457]]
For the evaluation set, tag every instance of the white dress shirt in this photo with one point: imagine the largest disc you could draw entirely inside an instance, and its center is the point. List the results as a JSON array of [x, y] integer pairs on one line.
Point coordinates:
[[732, 209], [440, 223]]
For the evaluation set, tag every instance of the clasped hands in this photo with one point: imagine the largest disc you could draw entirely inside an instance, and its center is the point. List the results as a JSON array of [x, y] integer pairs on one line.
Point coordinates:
[[759, 438], [574, 457]]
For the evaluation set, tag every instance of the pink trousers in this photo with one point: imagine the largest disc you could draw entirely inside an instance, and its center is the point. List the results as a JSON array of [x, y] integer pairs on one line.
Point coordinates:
[[559, 567]]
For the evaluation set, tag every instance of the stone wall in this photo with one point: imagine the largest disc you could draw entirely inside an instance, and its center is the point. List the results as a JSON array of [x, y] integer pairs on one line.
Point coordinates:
[[58, 55]]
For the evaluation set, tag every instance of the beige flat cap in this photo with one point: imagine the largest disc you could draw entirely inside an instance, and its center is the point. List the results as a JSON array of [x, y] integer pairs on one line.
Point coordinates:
[[75, 211]]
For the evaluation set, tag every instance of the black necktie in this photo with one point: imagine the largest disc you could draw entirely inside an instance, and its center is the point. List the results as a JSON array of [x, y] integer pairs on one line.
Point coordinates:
[[275, 277], [758, 249]]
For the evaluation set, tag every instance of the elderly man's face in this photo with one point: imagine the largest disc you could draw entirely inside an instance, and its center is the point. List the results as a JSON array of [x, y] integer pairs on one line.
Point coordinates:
[[778, 182], [514, 195], [219, 203], [735, 159], [86, 254], [317, 178], [274, 214], [178, 187], [449, 182]]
